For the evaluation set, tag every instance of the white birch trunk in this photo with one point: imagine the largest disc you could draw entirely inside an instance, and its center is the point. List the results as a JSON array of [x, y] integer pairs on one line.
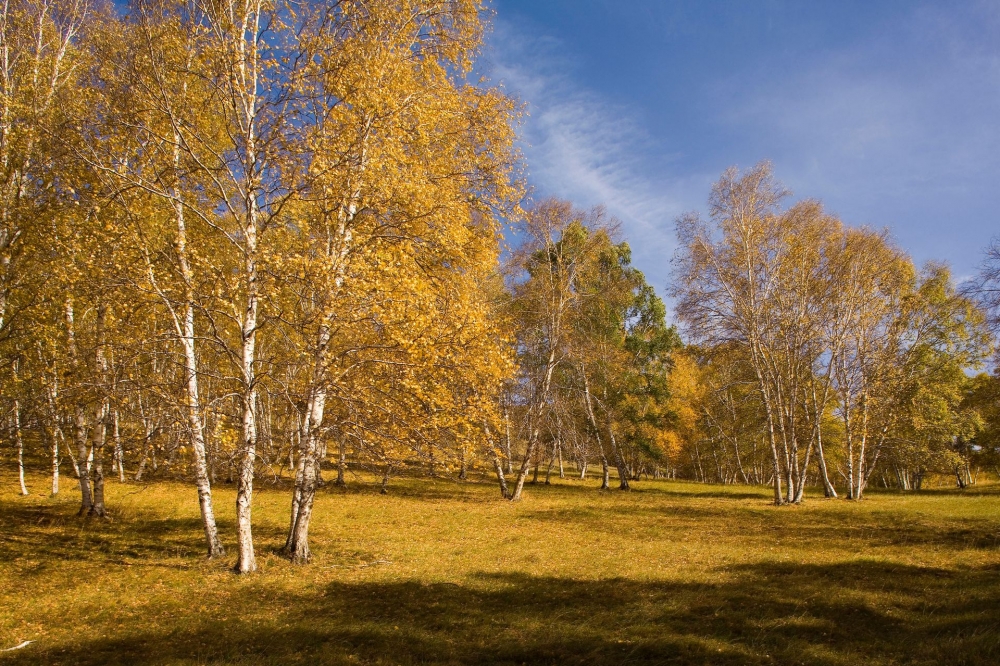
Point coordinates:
[[99, 432], [341, 461], [298, 543], [79, 418], [247, 562], [589, 405], [55, 431], [196, 422], [20, 446], [55, 464], [119, 452], [623, 482], [535, 415]]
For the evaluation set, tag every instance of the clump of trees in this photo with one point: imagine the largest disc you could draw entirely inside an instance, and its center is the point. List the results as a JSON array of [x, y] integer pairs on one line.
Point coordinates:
[[817, 342], [248, 239], [253, 239], [593, 346], [234, 232]]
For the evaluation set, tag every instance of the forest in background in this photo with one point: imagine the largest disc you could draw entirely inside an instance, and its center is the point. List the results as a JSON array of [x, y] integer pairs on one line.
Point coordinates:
[[241, 241]]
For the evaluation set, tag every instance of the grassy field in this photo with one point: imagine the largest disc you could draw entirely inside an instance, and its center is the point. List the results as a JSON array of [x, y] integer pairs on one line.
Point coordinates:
[[444, 572]]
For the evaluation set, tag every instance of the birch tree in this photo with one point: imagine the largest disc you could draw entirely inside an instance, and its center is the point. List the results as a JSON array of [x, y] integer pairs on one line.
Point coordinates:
[[395, 230], [546, 272], [730, 289]]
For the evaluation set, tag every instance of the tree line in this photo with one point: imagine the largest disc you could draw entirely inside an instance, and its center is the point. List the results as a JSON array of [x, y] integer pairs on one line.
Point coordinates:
[[822, 355], [248, 239]]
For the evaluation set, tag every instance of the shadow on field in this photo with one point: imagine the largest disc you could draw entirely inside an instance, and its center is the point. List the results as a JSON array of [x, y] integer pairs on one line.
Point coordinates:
[[757, 614], [51, 534]]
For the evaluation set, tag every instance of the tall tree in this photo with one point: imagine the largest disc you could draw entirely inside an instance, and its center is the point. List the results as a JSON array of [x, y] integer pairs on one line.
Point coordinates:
[[746, 281], [545, 274]]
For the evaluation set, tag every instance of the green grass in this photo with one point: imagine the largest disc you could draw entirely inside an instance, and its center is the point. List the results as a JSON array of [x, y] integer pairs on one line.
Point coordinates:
[[444, 572]]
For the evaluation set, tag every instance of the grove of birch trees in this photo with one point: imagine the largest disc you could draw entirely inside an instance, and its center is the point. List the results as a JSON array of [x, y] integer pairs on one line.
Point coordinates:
[[824, 356], [250, 241]]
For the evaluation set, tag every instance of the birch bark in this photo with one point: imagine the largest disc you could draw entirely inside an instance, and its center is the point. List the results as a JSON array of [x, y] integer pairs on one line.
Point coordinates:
[[99, 431], [20, 446], [79, 417]]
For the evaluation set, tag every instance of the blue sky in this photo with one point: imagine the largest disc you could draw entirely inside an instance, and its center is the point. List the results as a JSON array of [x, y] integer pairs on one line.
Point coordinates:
[[888, 112]]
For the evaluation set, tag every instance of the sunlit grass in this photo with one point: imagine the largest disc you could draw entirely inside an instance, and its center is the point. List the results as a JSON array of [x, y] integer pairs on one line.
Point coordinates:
[[439, 571]]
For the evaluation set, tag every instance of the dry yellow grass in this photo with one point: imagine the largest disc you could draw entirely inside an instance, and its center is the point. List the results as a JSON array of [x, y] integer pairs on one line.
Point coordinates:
[[444, 572]]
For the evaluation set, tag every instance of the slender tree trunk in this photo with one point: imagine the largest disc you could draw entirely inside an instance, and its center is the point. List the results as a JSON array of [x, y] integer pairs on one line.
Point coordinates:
[[818, 408], [535, 416], [80, 419], [739, 462], [247, 562], [828, 489], [501, 479], [623, 475], [529, 454], [341, 462], [239, 29], [522, 473], [589, 406], [862, 451], [552, 459], [298, 543], [497, 463], [55, 432], [147, 444], [769, 411], [119, 452], [98, 437], [20, 446], [55, 463], [803, 475], [100, 430], [789, 473], [850, 467], [300, 470], [385, 479], [195, 420], [697, 463], [312, 450], [775, 460], [506, 441], [72, 457]]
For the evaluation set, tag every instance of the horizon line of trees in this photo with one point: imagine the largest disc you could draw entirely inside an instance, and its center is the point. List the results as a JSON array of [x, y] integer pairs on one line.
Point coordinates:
[[251, 238], [822, 355]]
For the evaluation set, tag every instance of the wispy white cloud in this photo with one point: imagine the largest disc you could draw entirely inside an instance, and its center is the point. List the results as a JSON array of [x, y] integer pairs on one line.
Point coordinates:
[[890, 127], [590, 150]]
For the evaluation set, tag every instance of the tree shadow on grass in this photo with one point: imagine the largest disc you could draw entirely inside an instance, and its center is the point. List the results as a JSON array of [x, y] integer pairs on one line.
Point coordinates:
[[53, 533], [847, 613]]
